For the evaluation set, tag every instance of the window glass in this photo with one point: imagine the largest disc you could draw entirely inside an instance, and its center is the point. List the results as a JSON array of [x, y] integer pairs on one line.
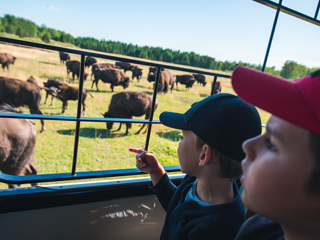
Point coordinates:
[[294, 43], [102, 149], [307, 7]]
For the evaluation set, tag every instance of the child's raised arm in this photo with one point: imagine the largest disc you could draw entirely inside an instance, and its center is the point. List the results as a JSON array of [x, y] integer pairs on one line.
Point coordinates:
[[148, 163]]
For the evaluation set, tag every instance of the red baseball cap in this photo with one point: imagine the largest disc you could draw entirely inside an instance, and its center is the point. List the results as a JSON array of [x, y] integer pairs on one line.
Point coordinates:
[[297, 102]]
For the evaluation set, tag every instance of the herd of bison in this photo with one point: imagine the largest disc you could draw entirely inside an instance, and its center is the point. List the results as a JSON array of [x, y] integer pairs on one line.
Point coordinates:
[[18, 136]]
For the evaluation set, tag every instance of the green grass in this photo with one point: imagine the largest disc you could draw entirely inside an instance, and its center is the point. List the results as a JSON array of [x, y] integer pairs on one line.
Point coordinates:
[[99, 149]]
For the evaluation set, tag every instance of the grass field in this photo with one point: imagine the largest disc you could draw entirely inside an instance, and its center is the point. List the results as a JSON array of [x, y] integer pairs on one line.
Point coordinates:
[[99, 149]]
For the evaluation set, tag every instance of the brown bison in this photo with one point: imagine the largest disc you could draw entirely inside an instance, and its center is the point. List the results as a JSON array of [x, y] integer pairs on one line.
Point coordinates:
[[102, 66], [166, 79], [125, 66], [110, 75], [187, 80], [74, 67], [6, 59], [127, 104], [89, 61], [18, 139], [64, 57], [18, 93], [53, 85], [31, 79], [136, 73], [200, 79], [66, 93], [154, 69], [217, 87]]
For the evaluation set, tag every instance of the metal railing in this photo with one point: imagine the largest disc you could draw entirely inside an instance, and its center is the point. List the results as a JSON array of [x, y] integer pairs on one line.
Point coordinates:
[[74, 175]]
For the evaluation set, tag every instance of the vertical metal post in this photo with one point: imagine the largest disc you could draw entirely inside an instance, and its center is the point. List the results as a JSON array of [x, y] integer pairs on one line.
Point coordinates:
[[213, 84], [77, 133], [152, 108], [317, 11], [271, 36]]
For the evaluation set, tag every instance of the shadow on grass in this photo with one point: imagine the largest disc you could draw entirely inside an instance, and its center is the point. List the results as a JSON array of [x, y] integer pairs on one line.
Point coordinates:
[[96, 91], [140, 86], [174, 135], [93, 133], [48, 63], [204, 95]]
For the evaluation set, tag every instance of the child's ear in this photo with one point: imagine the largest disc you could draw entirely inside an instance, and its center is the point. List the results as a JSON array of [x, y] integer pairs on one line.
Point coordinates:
[[205, 155]]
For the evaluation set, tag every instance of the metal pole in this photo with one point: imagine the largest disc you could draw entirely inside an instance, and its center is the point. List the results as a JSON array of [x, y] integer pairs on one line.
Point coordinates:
[[76, 138], [213, 84], [271, 36], [152, 108], [317, 11]]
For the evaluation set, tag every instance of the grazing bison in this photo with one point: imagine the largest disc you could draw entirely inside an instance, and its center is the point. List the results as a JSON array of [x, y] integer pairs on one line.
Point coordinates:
[[31, 79], [187, 80], [89, 61], [127, 104], [125, 66], [102, 66], [74, 67], [18, 139], [64, 57], [18, 93], [217, 87], [136, 72], [53, 85], [66, 93], [154, 69], [166, 79], [200, 79], [6, 59], [110, 75]]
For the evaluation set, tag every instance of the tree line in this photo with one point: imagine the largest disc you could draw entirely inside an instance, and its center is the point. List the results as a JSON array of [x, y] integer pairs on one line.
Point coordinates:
[[25, 28]]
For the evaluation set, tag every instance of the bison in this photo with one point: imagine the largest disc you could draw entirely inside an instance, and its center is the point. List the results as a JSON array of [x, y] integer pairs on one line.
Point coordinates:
[[18, 139], [127, 104], [136, 72], [110, 75], [102, 66], [74, 67], [166, 79], [53, 85], [200, 79], [66, 93], [64, 57], [19, 93], [6, 59], [154, 69], [217, 87], [187, 80], [31, 79], [89, 61], [125, 66]]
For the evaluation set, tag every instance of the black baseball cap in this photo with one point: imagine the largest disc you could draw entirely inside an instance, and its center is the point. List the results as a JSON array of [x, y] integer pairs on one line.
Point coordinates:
[[222, 120]]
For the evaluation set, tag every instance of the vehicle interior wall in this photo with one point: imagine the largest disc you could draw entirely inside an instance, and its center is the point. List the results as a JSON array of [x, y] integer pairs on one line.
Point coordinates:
[[124, 218]]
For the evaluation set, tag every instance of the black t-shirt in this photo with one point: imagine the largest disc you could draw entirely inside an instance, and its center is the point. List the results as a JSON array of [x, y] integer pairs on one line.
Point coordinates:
[[260, 228]]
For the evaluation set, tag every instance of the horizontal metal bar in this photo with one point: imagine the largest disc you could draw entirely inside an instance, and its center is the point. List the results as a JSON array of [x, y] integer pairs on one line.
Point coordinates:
[[75, 119], [13, 179], [107, 56], [289, 11]]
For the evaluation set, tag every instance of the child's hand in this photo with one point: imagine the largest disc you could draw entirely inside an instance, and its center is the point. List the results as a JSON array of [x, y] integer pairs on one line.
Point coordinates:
[[146, 162]]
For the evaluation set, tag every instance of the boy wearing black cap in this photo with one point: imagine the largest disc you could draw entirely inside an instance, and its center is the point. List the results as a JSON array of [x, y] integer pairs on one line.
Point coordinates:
[[281, 172], [207, 204]]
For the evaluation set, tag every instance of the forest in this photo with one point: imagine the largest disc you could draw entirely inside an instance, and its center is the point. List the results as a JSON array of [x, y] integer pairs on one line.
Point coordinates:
[[25, 28]]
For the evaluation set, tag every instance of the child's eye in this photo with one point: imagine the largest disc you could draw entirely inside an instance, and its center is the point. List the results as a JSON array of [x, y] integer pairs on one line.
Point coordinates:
[[270, 146]]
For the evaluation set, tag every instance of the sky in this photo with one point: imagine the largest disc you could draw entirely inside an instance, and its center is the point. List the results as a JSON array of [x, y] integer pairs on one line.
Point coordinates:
[[228, 30]]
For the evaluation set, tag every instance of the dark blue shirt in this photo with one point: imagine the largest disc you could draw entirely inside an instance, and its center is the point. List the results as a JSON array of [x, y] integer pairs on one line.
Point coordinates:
[[190, 220]]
